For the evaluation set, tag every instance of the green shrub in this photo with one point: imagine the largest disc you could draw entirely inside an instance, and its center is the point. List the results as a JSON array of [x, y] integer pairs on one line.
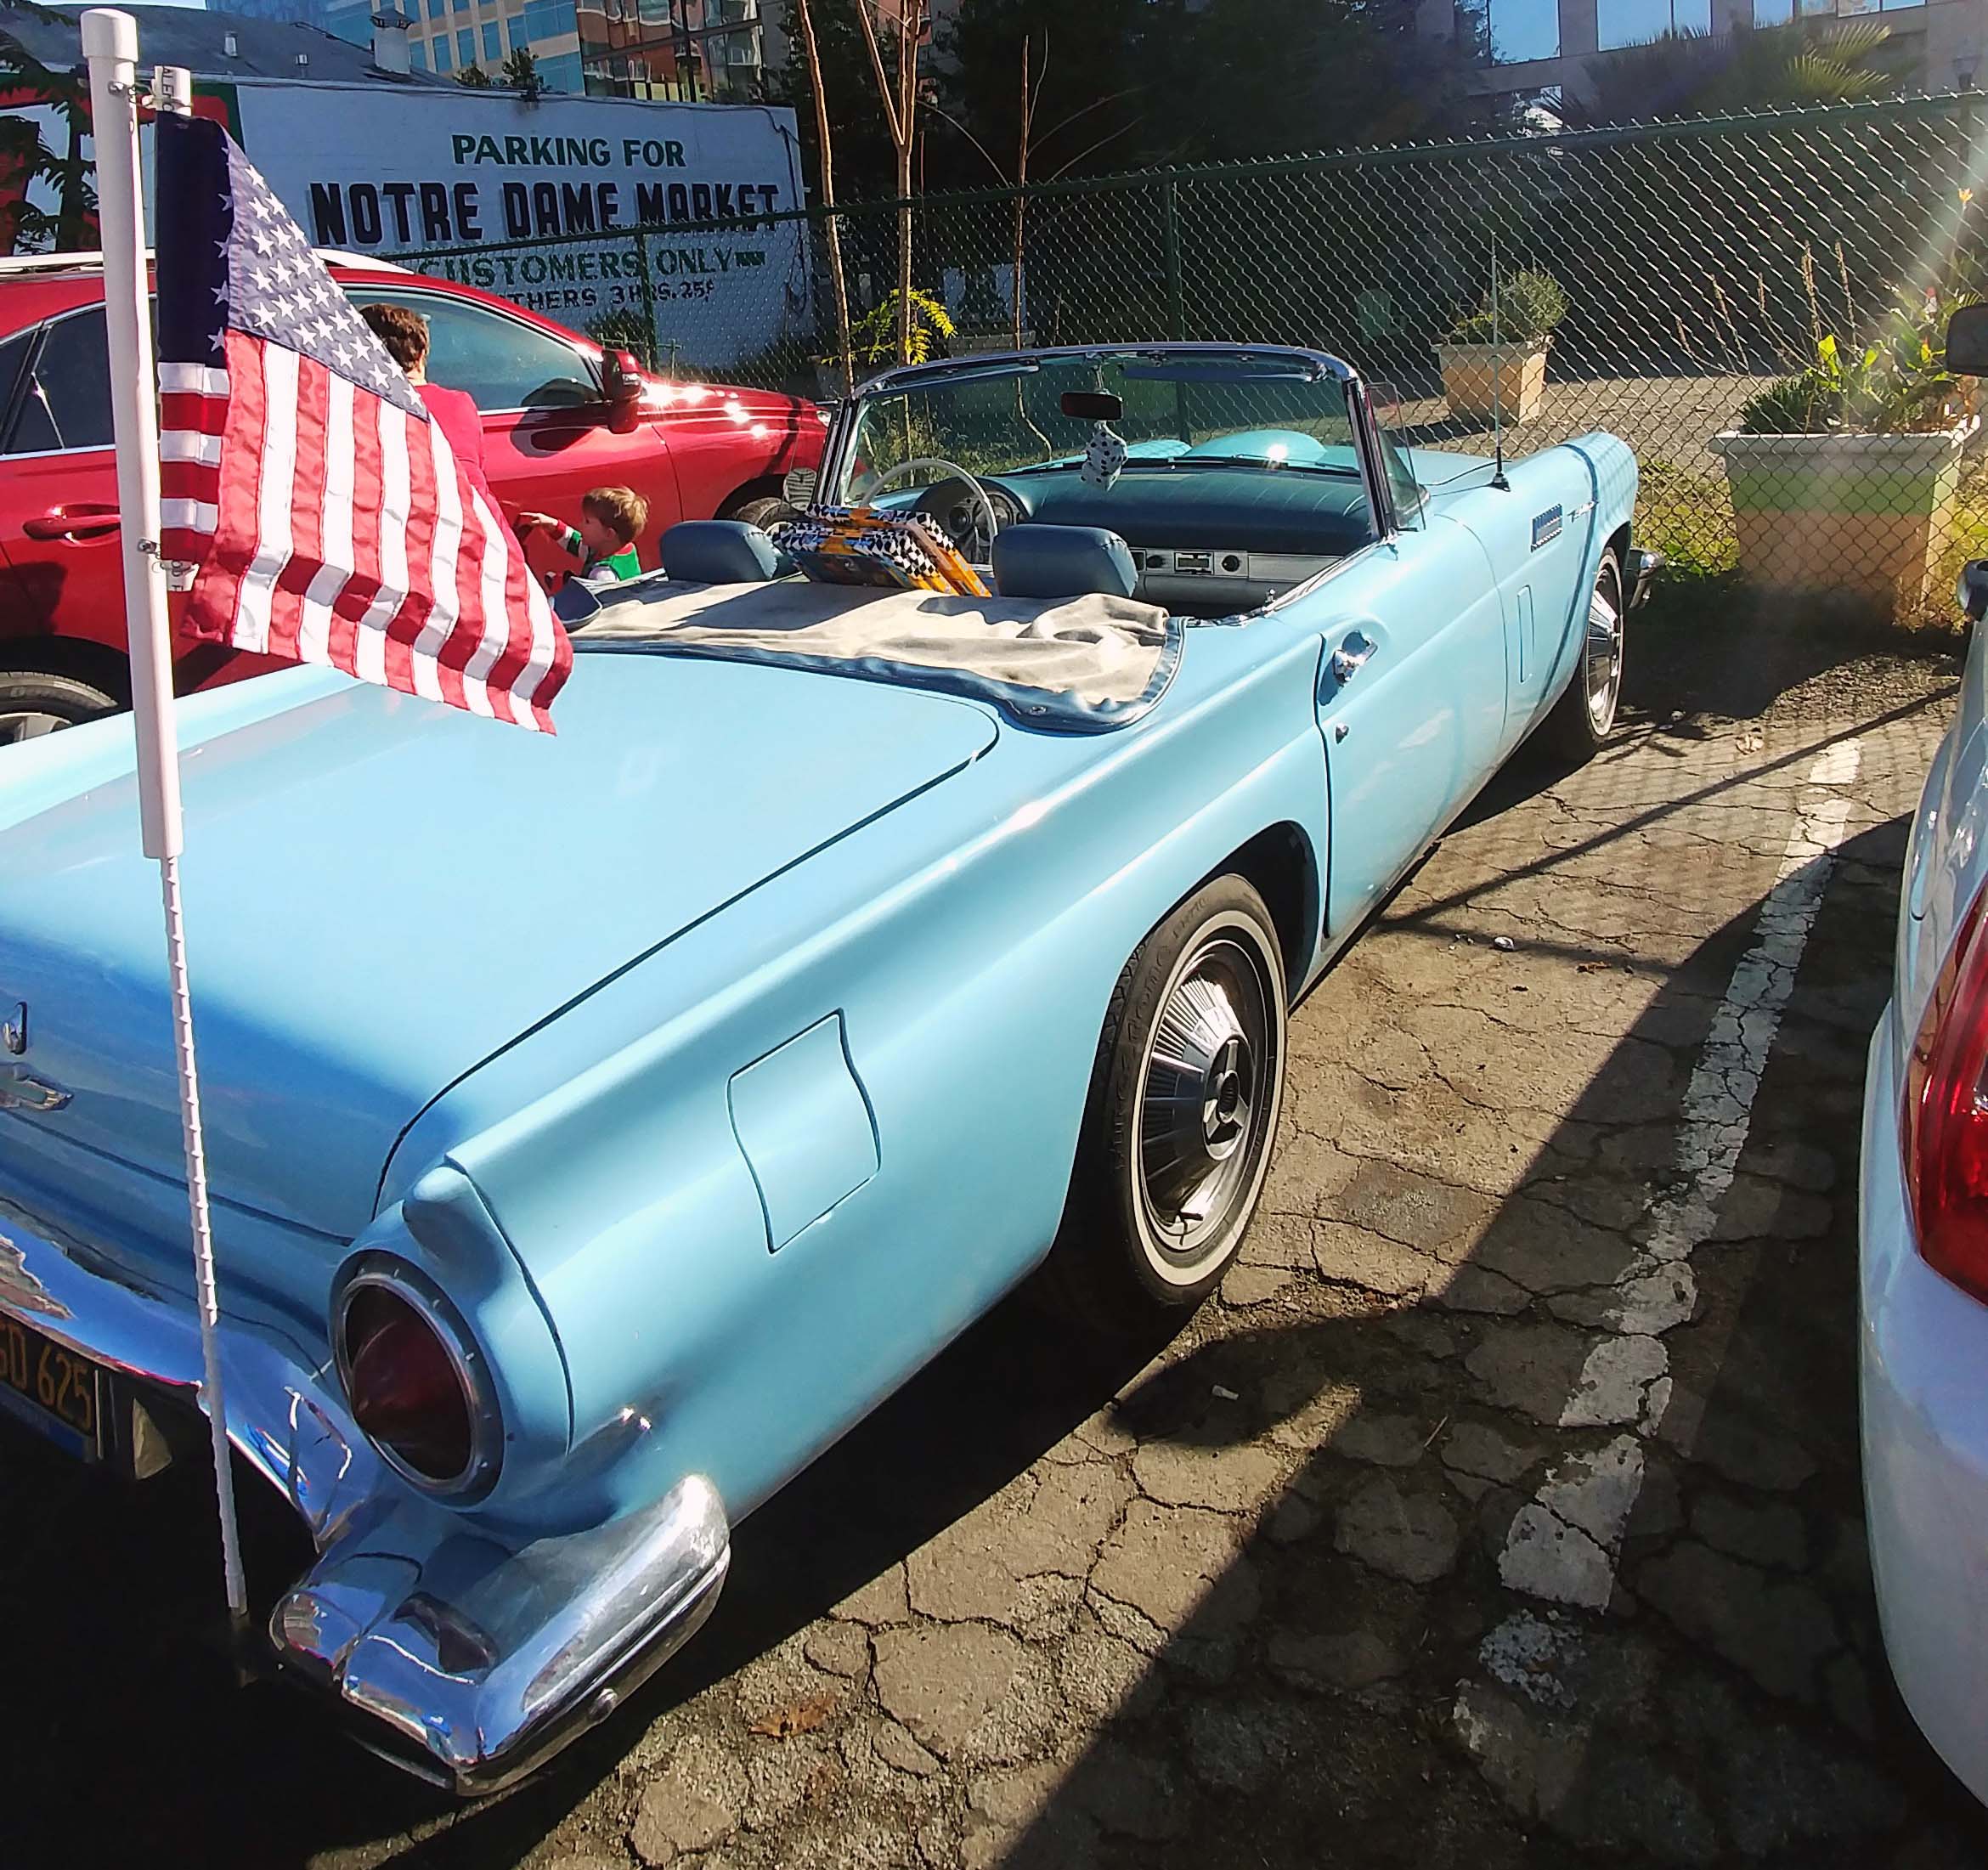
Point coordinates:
[[1806, 403], [1529, 306]]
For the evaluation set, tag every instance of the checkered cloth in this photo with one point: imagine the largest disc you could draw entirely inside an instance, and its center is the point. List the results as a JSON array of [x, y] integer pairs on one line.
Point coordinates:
[[858, 545]]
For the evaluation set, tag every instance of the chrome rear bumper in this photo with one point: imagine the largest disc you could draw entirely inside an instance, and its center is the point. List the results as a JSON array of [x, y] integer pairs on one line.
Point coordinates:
[[470, 1654]]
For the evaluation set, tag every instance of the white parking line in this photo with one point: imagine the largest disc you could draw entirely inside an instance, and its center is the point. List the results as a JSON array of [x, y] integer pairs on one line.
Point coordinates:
[[1563, 1542]]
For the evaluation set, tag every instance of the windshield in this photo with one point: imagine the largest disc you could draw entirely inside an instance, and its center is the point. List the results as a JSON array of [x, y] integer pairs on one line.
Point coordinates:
[[1177, 414]]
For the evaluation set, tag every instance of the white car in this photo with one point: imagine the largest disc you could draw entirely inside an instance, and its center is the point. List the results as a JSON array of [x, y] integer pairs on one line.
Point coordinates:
[[1924, 1232]]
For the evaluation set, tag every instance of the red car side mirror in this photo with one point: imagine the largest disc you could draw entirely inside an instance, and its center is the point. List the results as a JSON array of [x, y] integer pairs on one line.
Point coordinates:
[[623, 385]]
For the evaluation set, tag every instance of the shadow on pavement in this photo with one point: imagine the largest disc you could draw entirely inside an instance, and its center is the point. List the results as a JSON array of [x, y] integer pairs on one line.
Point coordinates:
[[1359, 1687], [1309, 1705]]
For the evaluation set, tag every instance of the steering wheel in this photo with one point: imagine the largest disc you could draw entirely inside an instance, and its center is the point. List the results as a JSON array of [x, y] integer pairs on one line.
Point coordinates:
[[941, 502]]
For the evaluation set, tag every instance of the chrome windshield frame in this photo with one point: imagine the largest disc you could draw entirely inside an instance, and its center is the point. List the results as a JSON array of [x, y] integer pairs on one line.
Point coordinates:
[[1320, 364]]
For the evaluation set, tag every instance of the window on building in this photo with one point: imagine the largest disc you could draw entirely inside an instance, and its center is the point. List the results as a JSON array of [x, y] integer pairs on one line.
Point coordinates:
[[443, 62], [1520, 29], [653, 12], [1619, 23], [493, 41], [514, 31], [548, 19], [561, 73], [466, 46], [1774, 13], [1543, 112], [417, 56]]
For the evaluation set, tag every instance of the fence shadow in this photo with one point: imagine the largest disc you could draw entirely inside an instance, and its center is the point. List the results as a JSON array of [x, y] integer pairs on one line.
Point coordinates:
[[107, 1589]]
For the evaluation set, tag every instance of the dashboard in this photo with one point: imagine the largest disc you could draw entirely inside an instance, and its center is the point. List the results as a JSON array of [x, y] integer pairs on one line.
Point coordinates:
[[1206, 540]]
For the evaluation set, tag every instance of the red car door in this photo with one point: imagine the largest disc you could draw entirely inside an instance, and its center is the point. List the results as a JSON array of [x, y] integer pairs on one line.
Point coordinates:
[[59, 519], [59, 484], [548, 434]]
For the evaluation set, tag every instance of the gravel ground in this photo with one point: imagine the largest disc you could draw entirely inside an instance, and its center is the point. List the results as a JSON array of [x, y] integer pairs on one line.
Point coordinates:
[[1271, 1594]]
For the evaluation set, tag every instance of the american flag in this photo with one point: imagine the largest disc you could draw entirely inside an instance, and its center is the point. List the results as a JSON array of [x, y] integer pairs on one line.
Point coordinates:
[[301, 474]]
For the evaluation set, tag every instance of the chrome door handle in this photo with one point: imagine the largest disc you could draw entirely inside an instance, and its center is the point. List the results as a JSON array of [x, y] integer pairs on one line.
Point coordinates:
[[1351, 657], [20, 1091]]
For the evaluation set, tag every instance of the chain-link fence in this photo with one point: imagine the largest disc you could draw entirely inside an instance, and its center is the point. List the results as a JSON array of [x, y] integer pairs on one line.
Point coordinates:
[[1745, 301]]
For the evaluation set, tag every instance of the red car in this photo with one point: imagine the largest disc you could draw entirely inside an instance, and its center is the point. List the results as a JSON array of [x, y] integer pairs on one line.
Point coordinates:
[[559, 417]]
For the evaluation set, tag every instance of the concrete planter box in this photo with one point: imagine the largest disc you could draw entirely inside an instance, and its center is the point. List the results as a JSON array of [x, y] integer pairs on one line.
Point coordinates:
[[1866, 515], [1484, 380]]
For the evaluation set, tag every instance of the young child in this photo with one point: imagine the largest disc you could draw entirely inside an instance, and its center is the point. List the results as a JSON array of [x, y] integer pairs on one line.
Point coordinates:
[[612, 519]]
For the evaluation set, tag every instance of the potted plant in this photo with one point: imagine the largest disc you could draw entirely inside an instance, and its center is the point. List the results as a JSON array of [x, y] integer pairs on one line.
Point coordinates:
[[1495, 363], [1845, 473]]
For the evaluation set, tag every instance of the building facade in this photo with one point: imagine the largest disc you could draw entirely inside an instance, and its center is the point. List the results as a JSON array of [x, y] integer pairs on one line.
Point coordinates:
[[779, 51], [1543, 49], [708, 50]]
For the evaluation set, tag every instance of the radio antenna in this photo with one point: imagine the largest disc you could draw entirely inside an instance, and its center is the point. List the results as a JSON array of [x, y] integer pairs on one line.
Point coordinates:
[[1498, 479]]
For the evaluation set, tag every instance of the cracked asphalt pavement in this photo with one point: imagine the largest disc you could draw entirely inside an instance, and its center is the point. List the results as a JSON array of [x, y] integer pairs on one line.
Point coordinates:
[[1505, 1509]]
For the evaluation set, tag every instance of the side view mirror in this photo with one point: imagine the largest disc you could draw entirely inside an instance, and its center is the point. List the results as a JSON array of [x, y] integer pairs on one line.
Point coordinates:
[[622, 384], [1967, 341]]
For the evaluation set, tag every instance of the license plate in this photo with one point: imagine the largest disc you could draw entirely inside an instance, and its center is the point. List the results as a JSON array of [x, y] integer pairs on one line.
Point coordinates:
[[51, 1388]]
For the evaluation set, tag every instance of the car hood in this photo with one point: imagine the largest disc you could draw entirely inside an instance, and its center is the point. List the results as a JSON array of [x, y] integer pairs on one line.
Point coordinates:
[[379, 892]]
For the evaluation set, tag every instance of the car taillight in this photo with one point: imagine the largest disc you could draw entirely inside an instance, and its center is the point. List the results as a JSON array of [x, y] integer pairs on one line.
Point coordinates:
[[409, 1391], [1945, 1117]]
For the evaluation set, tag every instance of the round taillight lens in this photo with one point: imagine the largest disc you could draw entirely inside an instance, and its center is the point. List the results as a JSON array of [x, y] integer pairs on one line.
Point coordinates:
[[405, 1389]]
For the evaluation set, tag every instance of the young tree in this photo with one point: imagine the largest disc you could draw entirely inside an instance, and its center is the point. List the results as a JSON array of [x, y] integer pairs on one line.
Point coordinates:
[[863, 157], [521, 74], [899, 96], [474, 77], [23, 149], [812, 48], [984, 44], [1028, 142]]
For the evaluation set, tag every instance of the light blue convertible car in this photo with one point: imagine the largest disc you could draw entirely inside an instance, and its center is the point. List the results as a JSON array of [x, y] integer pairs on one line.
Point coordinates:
[[601, 1124]]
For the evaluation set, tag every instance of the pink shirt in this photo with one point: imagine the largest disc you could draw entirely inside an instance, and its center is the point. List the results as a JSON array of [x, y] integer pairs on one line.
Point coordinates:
[[455, 414]]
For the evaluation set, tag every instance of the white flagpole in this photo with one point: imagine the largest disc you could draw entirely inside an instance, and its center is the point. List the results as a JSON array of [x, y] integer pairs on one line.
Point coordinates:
[[109, 41]]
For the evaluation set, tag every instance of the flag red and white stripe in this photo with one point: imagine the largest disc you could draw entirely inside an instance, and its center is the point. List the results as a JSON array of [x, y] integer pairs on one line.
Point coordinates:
[[327, 517]]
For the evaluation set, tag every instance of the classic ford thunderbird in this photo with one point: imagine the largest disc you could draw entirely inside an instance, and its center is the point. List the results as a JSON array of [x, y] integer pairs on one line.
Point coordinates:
[[601, 1124]]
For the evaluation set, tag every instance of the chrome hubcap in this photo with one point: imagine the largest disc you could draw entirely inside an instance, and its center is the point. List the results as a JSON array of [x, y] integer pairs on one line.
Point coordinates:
[[27, 726], [1602, 657], [1205, 1097]]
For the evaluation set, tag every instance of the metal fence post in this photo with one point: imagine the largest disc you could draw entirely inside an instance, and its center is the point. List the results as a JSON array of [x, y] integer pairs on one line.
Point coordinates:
[[1170, 225], [642, 243]]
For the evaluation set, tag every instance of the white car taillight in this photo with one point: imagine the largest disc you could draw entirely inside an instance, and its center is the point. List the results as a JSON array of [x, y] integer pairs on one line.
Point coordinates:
[[1945, 1122]]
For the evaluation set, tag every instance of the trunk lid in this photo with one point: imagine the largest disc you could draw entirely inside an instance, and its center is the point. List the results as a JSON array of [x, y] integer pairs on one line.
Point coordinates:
[[381, 893]]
